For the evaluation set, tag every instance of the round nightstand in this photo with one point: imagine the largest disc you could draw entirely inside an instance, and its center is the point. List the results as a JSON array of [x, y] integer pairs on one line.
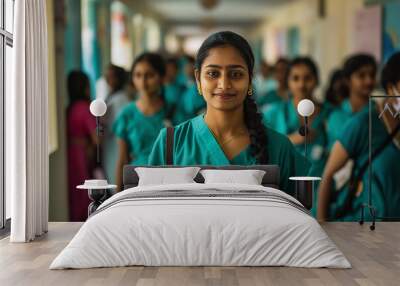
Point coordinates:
[[97, 192], [304, 190]]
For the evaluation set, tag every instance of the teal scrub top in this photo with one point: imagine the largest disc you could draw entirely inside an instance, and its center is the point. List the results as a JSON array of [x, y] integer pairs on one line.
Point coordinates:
[[139, 131], [385, 180], [283, 118], [337, 120], [194, 144]]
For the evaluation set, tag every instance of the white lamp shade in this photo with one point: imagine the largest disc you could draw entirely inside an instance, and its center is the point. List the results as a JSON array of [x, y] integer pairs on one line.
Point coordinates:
[[305, 108], [98, 107]]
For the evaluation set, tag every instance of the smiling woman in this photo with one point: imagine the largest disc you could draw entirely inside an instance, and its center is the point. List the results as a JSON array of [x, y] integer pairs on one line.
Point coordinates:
[[224, 83], [231, 131]]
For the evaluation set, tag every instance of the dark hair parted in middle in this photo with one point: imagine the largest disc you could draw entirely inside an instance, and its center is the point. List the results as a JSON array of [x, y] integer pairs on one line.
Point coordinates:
[[252, 118], [155, 60], [306, 61]]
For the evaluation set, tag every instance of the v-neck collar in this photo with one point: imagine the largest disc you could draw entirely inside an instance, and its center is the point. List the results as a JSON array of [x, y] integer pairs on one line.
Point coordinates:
[[240, 158], [215, 151], [159, 113]]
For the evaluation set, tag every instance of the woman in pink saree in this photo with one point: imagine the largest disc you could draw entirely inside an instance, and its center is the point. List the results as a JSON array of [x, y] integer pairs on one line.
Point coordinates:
[[82, 139]]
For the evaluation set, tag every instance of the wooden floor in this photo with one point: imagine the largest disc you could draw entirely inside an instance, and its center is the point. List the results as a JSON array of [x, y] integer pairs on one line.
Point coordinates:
[[374, 255]]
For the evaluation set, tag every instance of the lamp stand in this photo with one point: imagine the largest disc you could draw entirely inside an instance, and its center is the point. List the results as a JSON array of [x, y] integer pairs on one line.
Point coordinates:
[[98, 138], [305, 135]]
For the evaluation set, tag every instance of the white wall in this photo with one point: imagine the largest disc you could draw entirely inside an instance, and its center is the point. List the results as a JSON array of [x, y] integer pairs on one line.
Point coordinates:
[[52, 105], [58, 195], [328, 40]]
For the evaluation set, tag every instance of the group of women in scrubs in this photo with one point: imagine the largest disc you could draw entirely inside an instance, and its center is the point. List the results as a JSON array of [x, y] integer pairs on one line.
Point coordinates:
[[332, 129], [231, 130], [220, 123], [353, 144]]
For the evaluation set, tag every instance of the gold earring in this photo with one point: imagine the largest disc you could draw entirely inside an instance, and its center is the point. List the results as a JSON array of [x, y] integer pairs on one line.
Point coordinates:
[[199, 90], [250, 91]]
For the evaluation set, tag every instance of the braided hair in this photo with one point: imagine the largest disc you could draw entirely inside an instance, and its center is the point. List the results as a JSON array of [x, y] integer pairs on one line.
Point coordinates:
[[252, 117]]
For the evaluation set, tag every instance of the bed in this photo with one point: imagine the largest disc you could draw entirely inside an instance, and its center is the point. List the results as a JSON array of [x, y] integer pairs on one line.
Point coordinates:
[[197, 224]]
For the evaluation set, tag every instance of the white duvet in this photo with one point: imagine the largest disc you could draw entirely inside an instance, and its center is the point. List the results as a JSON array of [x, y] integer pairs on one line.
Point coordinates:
[[201, 231]]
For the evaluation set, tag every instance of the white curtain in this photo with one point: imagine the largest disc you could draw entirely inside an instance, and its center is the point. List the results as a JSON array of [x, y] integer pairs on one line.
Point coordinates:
[[26, 124]]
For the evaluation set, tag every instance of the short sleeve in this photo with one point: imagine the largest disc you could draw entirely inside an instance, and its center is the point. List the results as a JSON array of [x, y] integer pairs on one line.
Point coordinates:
[[119, 126], [157, 155], [334, 125], [354, 135]]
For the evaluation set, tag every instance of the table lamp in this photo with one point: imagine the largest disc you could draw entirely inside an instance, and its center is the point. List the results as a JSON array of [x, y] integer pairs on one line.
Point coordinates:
[[304, 186], [98, 108]]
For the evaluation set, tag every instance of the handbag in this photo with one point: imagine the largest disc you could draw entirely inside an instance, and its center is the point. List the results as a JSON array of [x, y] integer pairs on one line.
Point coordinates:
[[169, 148], [349, 191]]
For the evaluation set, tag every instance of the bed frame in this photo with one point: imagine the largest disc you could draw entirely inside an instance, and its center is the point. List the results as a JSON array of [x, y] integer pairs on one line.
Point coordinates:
[[270, 179], [131, 179]]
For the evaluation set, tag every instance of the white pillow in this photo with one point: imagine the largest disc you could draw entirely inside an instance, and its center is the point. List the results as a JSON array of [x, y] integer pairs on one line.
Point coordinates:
[[166, 176], [248, 177]]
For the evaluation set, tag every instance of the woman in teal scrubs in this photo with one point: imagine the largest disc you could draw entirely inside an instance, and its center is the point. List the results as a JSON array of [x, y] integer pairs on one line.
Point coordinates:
[[359, 71], [231, 131], [302, 79], [353, 143], [139, 123]]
